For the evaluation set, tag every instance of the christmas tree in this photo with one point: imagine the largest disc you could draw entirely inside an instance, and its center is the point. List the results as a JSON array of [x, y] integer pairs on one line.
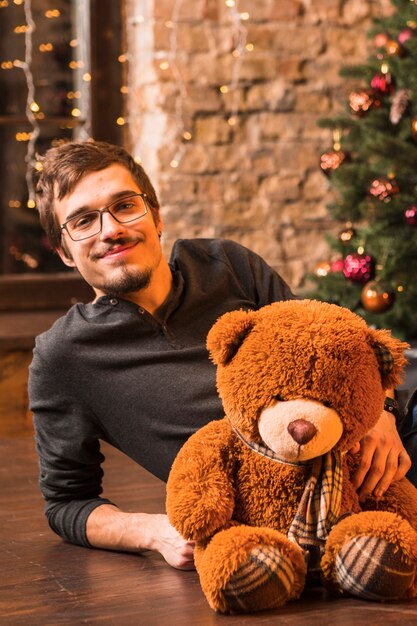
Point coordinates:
[[372, 167]]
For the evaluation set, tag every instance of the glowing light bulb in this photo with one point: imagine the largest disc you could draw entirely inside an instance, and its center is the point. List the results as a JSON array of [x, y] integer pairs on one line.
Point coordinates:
[[73, 43], [174, 163], [361, 250], [164, 65], [230, 3], [75, 112], [120, 121], [187, 135], [244, 16], [137, 159], [87, 77], [122, 58], [124, 89], [224, 89], [31, 204], [249, 47], [34, 107], [232, 120]]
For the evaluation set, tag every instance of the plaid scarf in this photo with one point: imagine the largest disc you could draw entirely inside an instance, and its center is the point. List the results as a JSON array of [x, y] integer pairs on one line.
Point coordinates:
[[320, 504], [319, 507]]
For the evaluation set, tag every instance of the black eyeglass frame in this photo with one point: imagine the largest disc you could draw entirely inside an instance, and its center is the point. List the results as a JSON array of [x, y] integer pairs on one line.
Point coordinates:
[[105, 209]]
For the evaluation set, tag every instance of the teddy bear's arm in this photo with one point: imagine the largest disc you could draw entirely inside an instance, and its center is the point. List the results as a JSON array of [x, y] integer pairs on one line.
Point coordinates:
[[200, 493]]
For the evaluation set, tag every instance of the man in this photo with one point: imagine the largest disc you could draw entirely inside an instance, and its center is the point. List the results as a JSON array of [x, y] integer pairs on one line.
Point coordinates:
[[131, 368]]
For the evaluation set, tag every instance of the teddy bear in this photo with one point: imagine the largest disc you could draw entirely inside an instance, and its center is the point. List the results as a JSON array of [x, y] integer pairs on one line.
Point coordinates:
[[266, 492]]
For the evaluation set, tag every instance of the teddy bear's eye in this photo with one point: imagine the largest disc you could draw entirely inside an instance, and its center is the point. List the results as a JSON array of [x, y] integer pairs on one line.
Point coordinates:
[[278, 398], [326, 404]]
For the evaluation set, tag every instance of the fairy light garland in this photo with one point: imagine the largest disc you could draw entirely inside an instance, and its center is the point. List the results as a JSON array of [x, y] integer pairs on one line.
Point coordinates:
[[240, 49], [168, 60], [31, 105]]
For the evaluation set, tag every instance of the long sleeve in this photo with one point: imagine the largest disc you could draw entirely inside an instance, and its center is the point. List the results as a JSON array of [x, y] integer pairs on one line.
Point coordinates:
[[69, 452]]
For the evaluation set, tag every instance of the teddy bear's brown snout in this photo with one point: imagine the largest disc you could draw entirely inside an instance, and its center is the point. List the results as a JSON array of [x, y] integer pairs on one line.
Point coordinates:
[[302, 431]]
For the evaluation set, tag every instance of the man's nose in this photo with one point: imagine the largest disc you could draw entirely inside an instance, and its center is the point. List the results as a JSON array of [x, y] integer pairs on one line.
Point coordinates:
[[109, 225]]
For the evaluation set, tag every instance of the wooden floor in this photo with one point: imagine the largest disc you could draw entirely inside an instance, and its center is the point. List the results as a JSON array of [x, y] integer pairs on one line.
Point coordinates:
[[44, 581]]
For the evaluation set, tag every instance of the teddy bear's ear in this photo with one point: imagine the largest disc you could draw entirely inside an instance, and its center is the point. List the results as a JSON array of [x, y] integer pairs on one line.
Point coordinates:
[[227, 335], [390, 353]]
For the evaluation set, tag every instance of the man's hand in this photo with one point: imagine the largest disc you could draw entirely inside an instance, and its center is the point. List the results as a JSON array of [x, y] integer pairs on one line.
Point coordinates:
[[167, 541], [112, 529], [383, 458]]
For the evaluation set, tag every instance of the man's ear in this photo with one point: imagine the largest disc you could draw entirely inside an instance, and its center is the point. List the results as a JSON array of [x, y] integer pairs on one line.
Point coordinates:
[[65, 257]]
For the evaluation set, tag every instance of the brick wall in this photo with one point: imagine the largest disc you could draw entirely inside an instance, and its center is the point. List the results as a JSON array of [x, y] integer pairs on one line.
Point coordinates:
[[256, 180]]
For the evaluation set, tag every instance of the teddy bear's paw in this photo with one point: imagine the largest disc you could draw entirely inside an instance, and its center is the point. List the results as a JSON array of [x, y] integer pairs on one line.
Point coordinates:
[[373, 569], [264, 581]]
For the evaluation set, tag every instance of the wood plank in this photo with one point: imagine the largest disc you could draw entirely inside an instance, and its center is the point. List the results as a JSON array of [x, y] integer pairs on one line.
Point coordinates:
[[35, 292], [45, 581]]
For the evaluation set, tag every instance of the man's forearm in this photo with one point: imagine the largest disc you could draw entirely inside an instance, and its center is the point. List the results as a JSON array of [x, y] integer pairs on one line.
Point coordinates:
[[112, 529]]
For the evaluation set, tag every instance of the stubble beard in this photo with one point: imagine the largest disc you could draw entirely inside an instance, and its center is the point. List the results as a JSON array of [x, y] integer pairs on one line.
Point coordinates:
[[128, 282]]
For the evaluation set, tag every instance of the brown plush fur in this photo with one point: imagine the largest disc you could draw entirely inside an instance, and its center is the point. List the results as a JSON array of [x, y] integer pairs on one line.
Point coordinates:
[[236, 503]]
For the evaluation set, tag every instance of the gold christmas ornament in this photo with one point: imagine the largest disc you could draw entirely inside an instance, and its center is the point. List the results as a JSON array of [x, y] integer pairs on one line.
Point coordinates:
[[384, 188], [414, 127], [360, 102], [377, 297], [347, 234], [394, 48], [322, 269]]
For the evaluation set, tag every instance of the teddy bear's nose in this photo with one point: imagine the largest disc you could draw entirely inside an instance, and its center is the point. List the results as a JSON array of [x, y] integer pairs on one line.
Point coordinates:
[[301, 431]]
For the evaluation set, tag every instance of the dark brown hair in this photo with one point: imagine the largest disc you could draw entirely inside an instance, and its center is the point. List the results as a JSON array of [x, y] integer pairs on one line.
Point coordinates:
[[64, 166]]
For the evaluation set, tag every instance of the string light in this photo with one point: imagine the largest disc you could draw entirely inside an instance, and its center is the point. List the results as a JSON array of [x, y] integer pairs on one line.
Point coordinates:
[[31, 105], [240, 49], [167, 60], [182, 91], [50, 14], [45, 47]]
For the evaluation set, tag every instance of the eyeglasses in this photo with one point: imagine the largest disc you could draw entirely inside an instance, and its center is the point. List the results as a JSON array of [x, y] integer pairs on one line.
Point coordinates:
[[89, 224]]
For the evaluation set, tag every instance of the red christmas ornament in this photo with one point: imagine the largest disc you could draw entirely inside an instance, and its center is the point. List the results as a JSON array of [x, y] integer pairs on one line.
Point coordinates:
[[359, 268], [377, 297], [383, 84], [405, 35], [384, 188], [332, 160], [360, 102], [380, 40], [411, 215], [337, 266]]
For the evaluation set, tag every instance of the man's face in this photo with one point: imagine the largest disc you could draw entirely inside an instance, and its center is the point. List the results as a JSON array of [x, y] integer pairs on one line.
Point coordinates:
[[122, 258]]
